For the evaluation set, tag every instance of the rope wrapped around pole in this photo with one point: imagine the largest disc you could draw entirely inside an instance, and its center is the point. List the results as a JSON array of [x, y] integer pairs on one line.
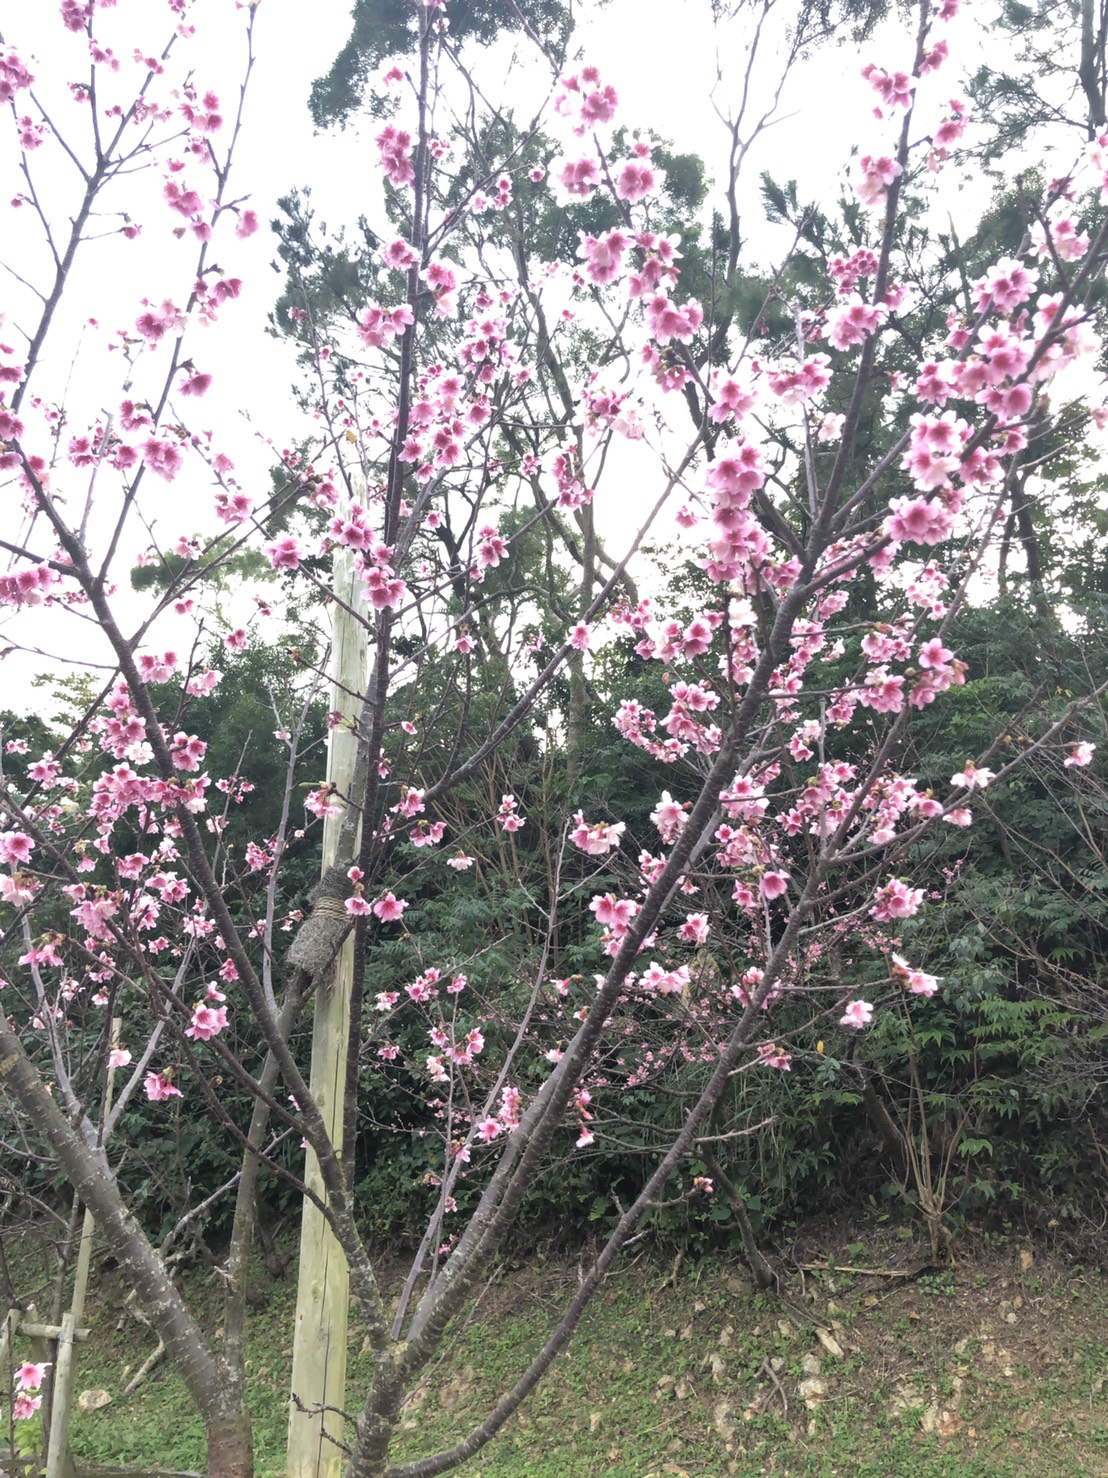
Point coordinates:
[[321, 934]]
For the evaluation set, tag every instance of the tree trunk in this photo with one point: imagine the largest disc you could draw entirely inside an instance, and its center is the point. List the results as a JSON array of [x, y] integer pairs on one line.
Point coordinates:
[[205, 1374], [1091, 68], [761, 1271], [892, 1139], [230, 1448]]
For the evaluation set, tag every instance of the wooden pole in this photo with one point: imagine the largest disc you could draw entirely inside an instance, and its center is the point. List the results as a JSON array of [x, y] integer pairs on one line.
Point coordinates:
[[323, 1292], [59, 1463]]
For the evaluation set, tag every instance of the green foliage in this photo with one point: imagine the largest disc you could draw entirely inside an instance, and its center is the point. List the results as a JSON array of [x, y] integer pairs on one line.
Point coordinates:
[[1048, 70], [389, 28], [221, 567], [328, 280], [28, 729]]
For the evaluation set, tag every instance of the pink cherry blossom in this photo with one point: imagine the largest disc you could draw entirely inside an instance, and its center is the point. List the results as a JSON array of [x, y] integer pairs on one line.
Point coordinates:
[[378, 327], [14, 76], [399, 255], [1005, 286], [857, 1015], [207, 1022], [774, 884], [603, 256], [935, 56], [159, 1087], [797, 382], [918, 982], [196, 384], [323, 802], [508, 814], [596, 839], [29, 1376], [972, 777], [153, 325], [949, 131], [920, 520], [934, 654], [669, 817], [394, 149], [634, 181], [491, 549], [657, 979], [410, 803], [733, 399], [875, 177], [852, 322], [202, 683], [895, 89], [616, 913], [667, 321], [162, 457], [1058, 237], [585, 101], [695, 930], [1080, 756], [15, 847], [180, 198], [578, 178], [806, 613], [896, 900]]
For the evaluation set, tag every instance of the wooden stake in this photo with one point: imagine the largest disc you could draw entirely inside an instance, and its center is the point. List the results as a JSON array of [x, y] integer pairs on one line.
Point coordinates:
[[323, 1292], [59, 1462]]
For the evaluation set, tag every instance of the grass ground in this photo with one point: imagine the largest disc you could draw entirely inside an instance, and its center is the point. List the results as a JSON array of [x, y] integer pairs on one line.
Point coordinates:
[[997, 1367]]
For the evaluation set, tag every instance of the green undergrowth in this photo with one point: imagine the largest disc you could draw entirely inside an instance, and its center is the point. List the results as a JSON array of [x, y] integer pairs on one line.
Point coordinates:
[[997, 1367]]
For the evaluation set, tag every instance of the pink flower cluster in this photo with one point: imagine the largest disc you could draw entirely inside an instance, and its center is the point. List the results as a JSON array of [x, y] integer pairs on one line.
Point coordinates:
[[160, 1087], [31, 586], [27, 1400], [14, 77], [853, 321], [394, 148], [876, 176], [894, 89], [377, 327], [208, 1020], [508, 815], [585, 101], [595, 839], [797, 383]]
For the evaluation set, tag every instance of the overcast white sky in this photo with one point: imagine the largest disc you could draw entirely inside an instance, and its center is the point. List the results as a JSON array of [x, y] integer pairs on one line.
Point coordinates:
[[665, 79]]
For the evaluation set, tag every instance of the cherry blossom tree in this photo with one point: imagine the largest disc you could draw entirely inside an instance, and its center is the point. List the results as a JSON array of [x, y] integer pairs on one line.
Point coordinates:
[[525, 353]]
